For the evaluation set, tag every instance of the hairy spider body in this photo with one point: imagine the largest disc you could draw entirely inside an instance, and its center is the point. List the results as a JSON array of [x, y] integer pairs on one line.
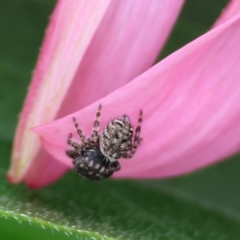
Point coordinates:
[[116, 138], [97, 157]]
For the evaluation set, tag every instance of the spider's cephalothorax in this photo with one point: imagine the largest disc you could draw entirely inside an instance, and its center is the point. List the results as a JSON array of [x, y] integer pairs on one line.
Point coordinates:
[[97, 157]]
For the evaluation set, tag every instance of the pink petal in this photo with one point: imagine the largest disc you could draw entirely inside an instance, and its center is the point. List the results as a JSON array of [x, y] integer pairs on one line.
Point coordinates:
[[233, 9], [91, 48], [124, 46], [43, 172], [191, 109], [58, 61]]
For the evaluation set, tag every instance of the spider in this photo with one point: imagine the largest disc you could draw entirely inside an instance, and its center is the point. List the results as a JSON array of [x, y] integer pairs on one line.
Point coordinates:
[[97, 157]]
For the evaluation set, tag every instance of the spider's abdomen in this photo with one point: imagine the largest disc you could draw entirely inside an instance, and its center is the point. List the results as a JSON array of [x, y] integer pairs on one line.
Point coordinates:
[[116, 138], [94, 165]]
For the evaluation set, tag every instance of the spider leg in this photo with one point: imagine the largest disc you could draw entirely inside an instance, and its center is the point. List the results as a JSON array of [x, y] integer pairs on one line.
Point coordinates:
[[73, 153], [110, 168], [96, 124], [73, 143], [132, 151], [128, 155], [137, 140], [79, 131], [78, 147], [115, 166]]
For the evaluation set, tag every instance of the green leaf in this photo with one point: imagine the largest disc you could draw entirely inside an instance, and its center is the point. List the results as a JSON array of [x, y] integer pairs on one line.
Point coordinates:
[[203, 205], [198, 206], [122, 209]]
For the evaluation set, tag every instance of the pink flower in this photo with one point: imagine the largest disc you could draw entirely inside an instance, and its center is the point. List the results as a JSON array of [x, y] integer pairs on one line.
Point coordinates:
[[91, 51]]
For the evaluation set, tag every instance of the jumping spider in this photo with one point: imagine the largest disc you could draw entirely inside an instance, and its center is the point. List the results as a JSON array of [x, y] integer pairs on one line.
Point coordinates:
[[97, 157]]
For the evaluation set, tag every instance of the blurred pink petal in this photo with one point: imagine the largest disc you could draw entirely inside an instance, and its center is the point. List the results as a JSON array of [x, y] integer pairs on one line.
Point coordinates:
[[231, 10], [91, 48], [191, 109], [58, 61], [125, 45], [46, 172]]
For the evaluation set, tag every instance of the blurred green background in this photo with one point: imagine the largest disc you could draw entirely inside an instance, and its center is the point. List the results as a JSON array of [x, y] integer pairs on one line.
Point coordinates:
[[203, 205]]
